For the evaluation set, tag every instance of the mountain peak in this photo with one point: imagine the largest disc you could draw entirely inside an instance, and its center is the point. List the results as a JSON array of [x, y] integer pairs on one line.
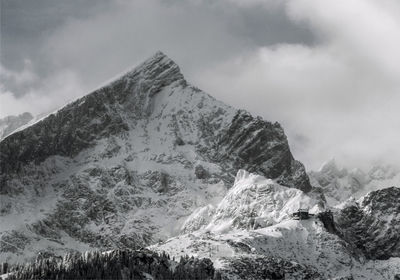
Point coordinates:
[[160, 58], [157, 67], [160, 54]]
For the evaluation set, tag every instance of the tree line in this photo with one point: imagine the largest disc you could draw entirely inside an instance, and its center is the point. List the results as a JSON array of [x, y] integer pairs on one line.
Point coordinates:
[[117, 264]]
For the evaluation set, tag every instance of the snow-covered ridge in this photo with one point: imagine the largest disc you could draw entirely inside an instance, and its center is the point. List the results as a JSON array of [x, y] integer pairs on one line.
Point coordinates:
[[253, 202]]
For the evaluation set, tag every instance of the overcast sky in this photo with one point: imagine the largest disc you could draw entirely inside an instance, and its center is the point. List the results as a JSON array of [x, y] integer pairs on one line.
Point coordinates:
[[329, 71]]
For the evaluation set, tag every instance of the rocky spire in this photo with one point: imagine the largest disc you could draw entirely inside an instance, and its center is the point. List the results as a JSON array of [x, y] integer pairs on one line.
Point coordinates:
[[158, 70]]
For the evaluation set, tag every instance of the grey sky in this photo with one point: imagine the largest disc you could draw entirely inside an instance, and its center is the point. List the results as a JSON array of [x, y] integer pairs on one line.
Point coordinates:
[[55, 35], [327, 70]]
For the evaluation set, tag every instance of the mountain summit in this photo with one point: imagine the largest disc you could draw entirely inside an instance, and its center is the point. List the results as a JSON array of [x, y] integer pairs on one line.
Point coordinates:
[[159, 67], [125, 165]]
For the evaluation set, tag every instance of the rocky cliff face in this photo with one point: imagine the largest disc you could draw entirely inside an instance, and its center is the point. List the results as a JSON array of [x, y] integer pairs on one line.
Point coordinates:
[[125, 165], [372, 223], [258, 146], [11, 123]]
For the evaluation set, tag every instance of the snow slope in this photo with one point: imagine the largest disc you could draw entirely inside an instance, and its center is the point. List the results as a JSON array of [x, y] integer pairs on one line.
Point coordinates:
[[252, 202]]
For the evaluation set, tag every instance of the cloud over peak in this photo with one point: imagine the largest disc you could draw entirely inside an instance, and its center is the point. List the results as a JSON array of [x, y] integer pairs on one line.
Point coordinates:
[[327, 70]]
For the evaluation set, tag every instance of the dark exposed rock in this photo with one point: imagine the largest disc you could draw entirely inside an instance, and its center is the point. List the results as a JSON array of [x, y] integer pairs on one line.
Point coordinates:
[[328, 221], [261, 147], [201, 172], [179, 141], [373, 225]]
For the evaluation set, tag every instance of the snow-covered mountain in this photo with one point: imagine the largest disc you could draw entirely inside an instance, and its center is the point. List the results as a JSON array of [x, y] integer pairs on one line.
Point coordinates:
[[151, 161], [124, 166], [10, 124], [329, 245], [339, 184], [253, 202]]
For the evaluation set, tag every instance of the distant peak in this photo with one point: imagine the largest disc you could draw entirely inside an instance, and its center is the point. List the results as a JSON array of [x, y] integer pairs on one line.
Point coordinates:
[[329, 165], [25, 115], [332, 168], [10, 124]]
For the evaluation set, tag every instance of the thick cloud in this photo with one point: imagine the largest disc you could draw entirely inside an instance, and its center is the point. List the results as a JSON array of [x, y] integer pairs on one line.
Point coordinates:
[[327, 70], [338, 98]]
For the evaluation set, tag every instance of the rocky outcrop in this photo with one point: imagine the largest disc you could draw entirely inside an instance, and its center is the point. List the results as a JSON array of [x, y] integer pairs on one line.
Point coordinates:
[[372, 224], [253, 202], [261, 147], [327, 219]]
